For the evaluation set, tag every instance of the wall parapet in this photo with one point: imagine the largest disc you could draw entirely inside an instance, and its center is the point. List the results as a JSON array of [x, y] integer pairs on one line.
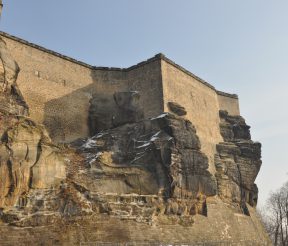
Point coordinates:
[[54, 53], [159, 56], [164, 58], [38, 47], [225, 94]]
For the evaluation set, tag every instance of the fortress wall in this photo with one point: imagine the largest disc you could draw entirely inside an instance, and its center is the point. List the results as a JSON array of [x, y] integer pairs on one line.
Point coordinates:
[[72, 110], [44, 77], [147, 79], [200, 101], [230, 103], [144, 78], [57, 90]]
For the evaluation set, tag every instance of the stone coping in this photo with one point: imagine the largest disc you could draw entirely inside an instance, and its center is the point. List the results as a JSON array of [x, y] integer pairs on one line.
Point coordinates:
[[38, 47], [159, 56], [225, 94]]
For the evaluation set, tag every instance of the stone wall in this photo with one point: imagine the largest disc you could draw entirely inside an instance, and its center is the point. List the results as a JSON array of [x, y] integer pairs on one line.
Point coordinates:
[[43, 78], [228, 103], [200, 102], [58, 90], [147, 79]]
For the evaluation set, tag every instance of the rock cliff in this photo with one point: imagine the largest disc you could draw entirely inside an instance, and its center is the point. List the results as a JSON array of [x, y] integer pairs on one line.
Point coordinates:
[[134, 181], [28, 158]]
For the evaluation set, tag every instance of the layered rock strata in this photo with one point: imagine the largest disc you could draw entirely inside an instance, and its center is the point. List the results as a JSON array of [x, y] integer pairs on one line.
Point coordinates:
[[238, 161], [159, 159]]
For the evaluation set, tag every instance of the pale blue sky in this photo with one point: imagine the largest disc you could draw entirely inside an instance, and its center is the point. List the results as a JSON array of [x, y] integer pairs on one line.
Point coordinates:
[[238, 46]]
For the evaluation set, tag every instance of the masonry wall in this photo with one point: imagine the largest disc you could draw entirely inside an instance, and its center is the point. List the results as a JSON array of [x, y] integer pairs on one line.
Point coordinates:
[[201, 103], [147, 79], [144, 78], [58, 90], [66, 116], [229, 103], [45, 77]]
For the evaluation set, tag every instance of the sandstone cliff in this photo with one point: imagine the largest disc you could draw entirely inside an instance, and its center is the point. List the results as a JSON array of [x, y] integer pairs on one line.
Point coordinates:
[[27, 156], [137, 180]]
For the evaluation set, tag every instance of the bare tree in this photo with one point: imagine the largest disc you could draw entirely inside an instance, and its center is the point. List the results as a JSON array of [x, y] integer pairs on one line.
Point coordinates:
[[275, 216]]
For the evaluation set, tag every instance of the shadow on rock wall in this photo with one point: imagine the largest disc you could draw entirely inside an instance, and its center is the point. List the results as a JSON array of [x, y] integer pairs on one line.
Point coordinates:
[[66, 117], [106, 102]]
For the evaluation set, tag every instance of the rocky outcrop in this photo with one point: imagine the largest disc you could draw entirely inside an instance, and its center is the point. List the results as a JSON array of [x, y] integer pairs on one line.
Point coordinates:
[[11, 99], [158, 159], [238, 161], [27, 157], [107, 112], [177, 109], [152, 171], [27, 160]]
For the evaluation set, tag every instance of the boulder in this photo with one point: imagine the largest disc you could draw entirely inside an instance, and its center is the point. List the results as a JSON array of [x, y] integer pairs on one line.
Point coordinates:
[[177, 109]]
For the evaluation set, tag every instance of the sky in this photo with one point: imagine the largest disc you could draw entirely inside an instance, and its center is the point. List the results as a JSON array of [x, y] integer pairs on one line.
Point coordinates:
[[238, 46]]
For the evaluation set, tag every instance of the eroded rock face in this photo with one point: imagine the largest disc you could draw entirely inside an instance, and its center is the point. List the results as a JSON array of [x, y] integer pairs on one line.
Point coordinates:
[[177, 109], [238, 162], [27, 157], [11, 99], [159, 159], [107, 112]]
